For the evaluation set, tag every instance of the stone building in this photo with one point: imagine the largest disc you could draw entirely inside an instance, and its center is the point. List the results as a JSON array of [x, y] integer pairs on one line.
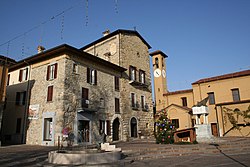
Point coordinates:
[[228, 99], [66, 91], [5, 62]]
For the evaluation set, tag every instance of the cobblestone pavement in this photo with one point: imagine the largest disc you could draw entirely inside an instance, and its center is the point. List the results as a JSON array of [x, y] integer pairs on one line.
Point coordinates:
[[225, 156], [232, 160], [23, 155]]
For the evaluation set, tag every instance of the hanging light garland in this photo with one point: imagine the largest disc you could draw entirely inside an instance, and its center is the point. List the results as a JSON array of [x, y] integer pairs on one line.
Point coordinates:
[[116, 6], [87, 8], [62, 26]]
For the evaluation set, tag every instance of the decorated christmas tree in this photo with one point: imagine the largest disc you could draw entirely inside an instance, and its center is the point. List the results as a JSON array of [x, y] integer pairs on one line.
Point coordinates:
[[164, 129]]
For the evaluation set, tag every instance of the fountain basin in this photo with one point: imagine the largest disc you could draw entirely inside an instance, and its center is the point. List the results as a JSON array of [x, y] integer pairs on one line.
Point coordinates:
[[89, 156]]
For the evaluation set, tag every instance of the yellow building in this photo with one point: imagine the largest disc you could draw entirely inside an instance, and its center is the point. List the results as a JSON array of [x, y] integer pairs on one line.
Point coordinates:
[[228, 100]]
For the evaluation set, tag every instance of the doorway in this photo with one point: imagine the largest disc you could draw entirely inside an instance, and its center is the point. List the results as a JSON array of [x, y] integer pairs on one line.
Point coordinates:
[[133, 126], [83, 131], [116, 125], [214, 129]]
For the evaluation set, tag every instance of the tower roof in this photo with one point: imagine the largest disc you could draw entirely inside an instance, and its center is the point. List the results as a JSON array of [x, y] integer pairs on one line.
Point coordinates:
[[158, 52]]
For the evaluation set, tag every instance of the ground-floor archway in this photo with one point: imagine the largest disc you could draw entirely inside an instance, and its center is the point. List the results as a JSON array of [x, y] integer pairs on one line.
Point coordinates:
[[133, 127], [115, 127]]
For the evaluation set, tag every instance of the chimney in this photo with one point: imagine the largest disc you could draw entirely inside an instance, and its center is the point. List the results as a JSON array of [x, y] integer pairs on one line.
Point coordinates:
[[107, 32], [40, 49]]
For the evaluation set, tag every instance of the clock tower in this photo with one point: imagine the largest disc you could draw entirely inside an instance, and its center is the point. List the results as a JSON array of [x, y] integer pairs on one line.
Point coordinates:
[[160, 83]]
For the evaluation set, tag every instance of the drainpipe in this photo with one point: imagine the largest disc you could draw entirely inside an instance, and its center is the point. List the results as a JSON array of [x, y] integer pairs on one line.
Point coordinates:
[[26, 105], [222, 120], [218, 127]]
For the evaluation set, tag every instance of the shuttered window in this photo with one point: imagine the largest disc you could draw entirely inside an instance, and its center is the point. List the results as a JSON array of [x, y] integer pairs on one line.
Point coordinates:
[[23, 74], [85, 97], [132, 73], [108, 127], [50, 93], [51, 72], [142, 76], [117, 105], [133, 102], [117, 83]]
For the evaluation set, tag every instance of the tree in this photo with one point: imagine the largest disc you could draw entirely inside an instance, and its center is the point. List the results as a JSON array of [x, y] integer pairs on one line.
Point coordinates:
[[165, 129]]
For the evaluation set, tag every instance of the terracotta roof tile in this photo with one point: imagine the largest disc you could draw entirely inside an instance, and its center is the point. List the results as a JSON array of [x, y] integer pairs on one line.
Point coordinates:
[[225, 76], [178, 92]]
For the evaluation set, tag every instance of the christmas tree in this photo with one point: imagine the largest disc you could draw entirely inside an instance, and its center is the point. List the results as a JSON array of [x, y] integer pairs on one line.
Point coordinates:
[[165, 129]]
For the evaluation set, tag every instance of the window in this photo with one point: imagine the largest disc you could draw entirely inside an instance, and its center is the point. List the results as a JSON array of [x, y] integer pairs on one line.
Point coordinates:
[[104, 126], [91, 76], [51, 72], [50, 93], [142, 76], [23, 74], [133, 100], [211, 98], [132, 73], [48, 127], [184, 101], [143, 102], [85, 98], [117, 105], [18, 125], [75, 68], [117, 83], [8, 80], [20, 98], [175, 122], [236, 94]]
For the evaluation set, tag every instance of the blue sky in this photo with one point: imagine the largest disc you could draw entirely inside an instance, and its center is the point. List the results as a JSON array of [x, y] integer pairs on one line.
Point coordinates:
[[202, 38]]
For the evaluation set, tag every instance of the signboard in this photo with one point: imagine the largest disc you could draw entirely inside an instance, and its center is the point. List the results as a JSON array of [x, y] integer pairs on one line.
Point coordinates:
[[33, 111]]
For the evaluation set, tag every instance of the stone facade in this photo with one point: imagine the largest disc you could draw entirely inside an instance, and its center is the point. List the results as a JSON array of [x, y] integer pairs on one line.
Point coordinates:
[[126, 48], [38, 120]]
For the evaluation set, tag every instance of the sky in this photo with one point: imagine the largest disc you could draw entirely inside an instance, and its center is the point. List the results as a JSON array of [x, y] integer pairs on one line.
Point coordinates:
[[202, 38]]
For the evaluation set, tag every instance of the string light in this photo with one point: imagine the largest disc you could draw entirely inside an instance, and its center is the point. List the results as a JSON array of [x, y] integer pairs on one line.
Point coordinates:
[[87, 8], [62, 26], [116, 6], [8, 48]]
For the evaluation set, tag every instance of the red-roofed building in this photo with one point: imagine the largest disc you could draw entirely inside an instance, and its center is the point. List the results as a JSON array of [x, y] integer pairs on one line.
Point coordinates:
[[229, 96]]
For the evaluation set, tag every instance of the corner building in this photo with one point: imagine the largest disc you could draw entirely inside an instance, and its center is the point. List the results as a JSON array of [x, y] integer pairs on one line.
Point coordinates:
[[102, 87]]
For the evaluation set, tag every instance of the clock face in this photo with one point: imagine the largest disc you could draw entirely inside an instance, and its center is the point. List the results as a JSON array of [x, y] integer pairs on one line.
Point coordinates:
[[163, 73], [157, 73]]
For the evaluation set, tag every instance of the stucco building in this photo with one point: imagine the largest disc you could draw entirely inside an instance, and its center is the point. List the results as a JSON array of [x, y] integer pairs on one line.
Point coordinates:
[[228, 100], [102, 87]]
